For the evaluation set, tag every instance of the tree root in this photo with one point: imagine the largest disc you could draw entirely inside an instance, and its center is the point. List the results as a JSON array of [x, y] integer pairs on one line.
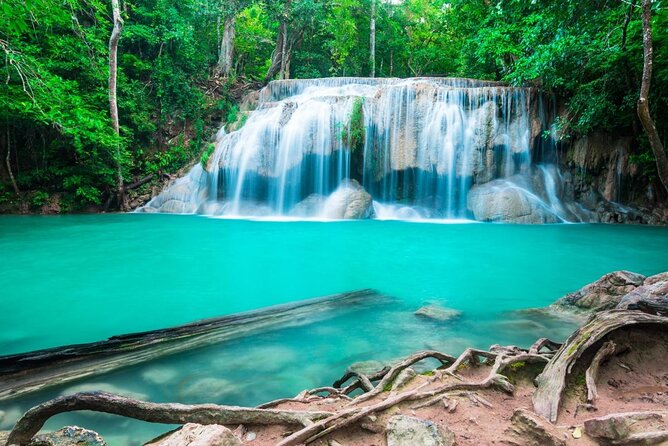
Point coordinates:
[[33, 420], [394, 371], [363, 382], [604, 352], [544, 343], [351, 415], [552, 381], [315, 424]]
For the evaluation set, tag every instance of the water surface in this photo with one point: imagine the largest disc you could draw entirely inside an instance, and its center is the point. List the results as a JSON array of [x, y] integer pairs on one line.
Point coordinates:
[[71, 279]]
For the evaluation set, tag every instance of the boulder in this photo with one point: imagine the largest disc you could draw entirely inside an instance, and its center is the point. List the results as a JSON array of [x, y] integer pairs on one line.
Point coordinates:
[[535, 430], [654, 289], [505, 202], [183, 196], [630, 428], [68, 436], [308, 207], [350, 201], [438, 313], [403, 430], [604, 294], [198, 435]]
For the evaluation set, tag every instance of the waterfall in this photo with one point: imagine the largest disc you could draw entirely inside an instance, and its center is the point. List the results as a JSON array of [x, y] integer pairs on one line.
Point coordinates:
[[393, 148]]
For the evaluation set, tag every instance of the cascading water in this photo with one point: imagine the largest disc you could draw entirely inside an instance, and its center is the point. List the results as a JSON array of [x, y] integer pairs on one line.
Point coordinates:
[[358, 147]]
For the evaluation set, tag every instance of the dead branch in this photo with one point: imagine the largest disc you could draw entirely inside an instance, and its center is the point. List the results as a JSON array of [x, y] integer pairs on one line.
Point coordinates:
[[604, 352], [33, 420]]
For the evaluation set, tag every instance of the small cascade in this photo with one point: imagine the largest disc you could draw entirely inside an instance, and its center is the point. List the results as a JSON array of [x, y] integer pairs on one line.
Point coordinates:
[[384, 148]]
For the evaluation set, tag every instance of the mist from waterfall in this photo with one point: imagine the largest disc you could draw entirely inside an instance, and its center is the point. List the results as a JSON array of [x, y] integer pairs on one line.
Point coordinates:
[[318, 148]]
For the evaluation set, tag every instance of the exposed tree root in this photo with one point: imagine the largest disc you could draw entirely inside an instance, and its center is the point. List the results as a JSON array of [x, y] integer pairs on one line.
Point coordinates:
[[394, 371], [448, 381], [604, 352], [346, 417], [544, 343], [552, 381], [34, 419], [362, 381]]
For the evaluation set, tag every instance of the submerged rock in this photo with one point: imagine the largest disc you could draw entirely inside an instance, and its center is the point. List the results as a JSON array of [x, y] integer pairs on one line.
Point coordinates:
[[604, 294], [206, 390], [105, 387], [68, 436], [506, 202], [438, 313], [160, 375], [366, 367], [403, 430], [198, 435]]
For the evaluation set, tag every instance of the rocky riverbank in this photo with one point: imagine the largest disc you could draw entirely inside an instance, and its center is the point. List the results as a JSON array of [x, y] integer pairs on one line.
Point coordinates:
[[605, 385]]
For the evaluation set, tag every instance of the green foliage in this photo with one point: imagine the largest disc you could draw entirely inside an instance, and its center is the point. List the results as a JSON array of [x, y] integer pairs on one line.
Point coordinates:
[[54, 100], [207, 154], [354, 134], [39, 198]]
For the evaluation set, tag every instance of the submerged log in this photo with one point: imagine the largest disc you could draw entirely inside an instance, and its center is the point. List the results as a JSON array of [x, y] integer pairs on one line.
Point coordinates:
[[552, 381], [167, 413], [29, 372]]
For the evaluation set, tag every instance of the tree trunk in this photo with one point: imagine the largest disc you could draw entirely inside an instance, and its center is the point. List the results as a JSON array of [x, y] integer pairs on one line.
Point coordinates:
[[284, 46], [8, 163], [643, 105], [113, 105], [277, 54], [372, 38], [227, 46]]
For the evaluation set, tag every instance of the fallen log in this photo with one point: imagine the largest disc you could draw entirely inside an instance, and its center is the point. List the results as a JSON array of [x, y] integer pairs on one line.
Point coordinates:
[[29, 372], [552, 381], [168, 413]]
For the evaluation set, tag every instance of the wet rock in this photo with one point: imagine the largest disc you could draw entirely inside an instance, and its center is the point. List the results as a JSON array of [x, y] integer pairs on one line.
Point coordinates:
[[350, 201], [535, 430], [604, 294], [403, 430], [68, 436], [504, 201], [438, 313], [308, 207], [183, 197], [198, 435]]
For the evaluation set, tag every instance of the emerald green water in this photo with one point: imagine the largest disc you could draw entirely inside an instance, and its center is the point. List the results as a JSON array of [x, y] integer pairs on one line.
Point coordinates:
[[73, 279]]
